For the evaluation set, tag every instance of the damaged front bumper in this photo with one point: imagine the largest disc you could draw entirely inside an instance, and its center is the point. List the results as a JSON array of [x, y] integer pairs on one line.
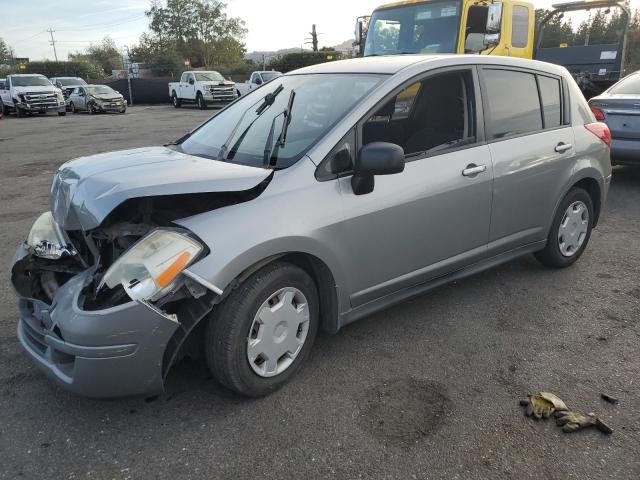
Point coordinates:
[[112, 352]]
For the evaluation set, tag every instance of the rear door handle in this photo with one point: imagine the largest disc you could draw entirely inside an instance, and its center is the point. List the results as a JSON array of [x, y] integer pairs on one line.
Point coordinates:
[[563, 147], [473, 169]]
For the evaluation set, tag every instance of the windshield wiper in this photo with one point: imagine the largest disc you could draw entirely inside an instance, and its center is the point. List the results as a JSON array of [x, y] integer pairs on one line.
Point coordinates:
[[282, 138], [266, 103]]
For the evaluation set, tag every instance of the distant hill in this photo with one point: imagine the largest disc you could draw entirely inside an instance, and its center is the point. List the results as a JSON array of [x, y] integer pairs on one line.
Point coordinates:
[[256, 56]]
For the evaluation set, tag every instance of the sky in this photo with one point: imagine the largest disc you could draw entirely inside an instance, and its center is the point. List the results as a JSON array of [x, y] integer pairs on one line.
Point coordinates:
[[271, 25]]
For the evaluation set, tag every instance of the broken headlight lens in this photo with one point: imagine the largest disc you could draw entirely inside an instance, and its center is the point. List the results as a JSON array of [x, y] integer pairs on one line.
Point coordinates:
[[150, 268], [46, 240]]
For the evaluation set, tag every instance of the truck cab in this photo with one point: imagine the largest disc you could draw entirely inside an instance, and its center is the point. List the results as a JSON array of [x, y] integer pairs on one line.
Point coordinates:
[[256, 80], [449, 26]]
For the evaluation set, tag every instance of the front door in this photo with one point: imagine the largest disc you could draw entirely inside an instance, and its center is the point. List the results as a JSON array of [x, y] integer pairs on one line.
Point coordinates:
[[434, 217]]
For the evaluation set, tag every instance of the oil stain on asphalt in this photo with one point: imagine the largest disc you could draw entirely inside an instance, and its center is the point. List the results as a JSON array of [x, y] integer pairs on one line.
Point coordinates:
[[403, 411]]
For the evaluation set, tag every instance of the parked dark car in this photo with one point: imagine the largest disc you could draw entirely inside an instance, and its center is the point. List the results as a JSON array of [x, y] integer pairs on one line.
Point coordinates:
[[619, 107]]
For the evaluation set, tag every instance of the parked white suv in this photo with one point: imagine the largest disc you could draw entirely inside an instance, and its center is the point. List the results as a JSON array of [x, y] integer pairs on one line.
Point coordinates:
[[29, 93], [202, 88]]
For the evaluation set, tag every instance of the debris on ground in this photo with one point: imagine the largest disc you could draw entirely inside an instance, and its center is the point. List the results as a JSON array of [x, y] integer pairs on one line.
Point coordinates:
[[572, 421], [544, 404], [608, 398]]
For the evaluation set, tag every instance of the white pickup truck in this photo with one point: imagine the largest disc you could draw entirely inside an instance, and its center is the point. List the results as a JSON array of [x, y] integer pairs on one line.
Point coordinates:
[[30, 93], [256, 81], [202, 88]]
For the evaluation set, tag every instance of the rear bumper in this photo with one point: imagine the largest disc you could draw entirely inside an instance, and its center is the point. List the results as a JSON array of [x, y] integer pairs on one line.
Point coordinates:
[[113, 352], [625, 152]]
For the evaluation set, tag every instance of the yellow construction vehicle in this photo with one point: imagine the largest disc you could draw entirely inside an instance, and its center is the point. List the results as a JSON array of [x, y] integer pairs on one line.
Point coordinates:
[[488, 27]]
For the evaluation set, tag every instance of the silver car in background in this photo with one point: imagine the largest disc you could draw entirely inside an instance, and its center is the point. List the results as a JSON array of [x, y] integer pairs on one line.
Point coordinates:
[[619, 108], [96, 99], [326, 195]]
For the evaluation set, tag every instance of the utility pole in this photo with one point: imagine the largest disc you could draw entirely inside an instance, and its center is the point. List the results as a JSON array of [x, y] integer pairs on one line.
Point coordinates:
[[53, 42], [314, 37]]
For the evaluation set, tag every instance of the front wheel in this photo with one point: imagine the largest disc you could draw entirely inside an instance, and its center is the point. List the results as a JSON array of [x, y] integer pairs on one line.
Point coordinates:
[[570, 230], [263, 332], [202, 104]]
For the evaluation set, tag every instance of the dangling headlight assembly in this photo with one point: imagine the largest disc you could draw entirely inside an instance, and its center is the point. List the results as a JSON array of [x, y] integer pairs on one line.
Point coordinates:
[[151, 268]]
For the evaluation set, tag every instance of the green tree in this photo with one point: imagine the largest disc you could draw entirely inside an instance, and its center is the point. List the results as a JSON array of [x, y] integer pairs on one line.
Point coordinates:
[[104, 54], [5, 52], [199, 30]]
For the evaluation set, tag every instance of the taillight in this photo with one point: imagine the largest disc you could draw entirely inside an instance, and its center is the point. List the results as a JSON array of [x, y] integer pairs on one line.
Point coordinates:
[[600, 130], [599, 114]]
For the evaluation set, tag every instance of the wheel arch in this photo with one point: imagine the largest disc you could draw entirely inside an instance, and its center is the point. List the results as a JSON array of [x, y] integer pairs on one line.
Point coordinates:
[[321, 274]]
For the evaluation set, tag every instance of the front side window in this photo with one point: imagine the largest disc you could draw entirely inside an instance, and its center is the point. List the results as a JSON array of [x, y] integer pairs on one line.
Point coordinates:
[[512, 103], [242, 132], [429, 116], [424, 28], [551, 95], [520, 28]]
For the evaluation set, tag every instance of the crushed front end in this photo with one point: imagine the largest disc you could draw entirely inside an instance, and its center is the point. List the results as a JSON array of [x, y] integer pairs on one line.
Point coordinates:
[[92, 317]]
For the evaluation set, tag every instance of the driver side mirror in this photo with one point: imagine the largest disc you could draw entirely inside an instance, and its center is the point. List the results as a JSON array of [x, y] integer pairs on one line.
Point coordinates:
[[377, 158]]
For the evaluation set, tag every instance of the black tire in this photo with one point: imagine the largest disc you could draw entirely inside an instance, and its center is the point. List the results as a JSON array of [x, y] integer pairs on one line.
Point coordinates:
[[551, 256], [200, 101], [62, 114], [175, 100], [228, 329]]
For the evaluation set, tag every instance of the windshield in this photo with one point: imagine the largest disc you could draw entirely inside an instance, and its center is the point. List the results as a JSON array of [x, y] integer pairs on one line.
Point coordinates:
[[320, 101], [268, 76], [209, 77], [35, 81], [70, 81], [628, 85], [100, 90], [424, 28]]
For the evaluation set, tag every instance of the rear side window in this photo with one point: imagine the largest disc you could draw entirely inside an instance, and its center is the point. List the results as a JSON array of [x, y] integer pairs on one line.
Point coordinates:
[[551, 94], [512, 103], [520, 29]]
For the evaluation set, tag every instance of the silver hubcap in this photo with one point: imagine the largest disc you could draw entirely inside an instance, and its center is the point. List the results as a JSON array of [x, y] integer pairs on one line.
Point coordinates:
[[278, 332], [573, 229]]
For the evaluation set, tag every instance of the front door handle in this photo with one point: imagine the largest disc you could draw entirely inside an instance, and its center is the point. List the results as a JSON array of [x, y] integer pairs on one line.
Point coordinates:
[[563, 147], [473, 169]]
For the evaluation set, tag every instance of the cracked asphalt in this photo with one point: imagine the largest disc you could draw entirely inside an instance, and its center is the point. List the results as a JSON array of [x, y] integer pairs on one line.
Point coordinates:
[[427, 389]]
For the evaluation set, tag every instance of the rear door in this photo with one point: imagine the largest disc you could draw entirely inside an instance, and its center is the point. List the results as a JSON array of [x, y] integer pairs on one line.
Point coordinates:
[[531, 144]]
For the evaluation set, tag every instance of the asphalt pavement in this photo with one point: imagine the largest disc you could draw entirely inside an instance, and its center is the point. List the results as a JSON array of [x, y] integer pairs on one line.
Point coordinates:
[[427, 389]]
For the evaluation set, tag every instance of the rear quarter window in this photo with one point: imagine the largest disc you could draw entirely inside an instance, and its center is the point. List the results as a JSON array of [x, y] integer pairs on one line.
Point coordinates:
[[512, 103]]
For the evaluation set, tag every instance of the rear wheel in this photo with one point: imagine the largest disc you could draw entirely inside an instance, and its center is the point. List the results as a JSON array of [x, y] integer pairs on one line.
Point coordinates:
[[570, 230], [202, 104], [264, 330], [175, 100]]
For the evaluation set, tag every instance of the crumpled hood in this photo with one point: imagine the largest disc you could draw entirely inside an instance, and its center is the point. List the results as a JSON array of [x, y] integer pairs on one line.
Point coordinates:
[[87, 189]]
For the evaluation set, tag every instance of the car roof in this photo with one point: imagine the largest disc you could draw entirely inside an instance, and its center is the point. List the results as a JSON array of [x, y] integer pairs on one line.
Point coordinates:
[[392, 64]]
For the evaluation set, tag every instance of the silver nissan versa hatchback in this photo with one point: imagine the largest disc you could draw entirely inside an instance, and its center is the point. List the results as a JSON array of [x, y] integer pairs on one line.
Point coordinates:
[[328, 194]]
